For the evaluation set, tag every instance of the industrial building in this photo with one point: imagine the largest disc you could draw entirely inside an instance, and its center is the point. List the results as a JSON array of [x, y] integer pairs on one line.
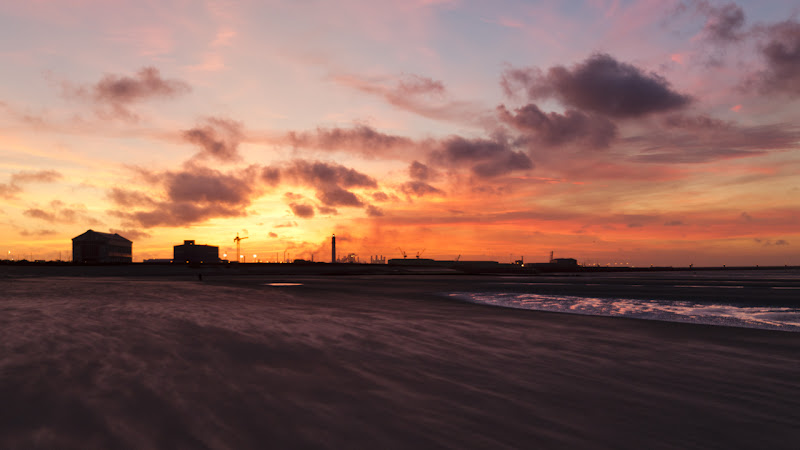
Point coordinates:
[[101, 248], [192, 253]]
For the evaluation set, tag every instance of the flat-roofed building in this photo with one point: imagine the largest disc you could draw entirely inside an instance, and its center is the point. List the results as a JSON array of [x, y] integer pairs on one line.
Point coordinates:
[[101, 248], [564, 262], [192, 253]]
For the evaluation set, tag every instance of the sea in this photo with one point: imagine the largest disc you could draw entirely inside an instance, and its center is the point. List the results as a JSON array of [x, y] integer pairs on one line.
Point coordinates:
[[766, 299]]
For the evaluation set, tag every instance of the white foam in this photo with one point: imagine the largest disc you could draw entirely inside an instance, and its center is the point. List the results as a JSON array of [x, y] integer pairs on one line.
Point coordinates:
[[780, 318]]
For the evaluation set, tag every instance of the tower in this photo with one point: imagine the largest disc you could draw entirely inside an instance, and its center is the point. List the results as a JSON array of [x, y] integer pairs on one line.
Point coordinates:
[[333, 248]]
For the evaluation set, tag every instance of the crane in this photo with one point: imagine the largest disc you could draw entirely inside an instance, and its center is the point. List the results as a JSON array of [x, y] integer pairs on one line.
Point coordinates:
[[237, 239], [402, 252], [420, 253]]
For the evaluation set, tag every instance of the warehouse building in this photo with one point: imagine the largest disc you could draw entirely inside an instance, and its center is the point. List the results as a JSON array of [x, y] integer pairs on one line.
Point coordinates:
[[192, 253], [94, 247]]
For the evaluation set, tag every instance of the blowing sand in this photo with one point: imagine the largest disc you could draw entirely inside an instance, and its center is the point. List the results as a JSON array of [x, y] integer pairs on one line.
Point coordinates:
[[371, 362]]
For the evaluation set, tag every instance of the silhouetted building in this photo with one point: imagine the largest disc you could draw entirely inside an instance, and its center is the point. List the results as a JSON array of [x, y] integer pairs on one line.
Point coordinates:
[[564, 262], [96, 247], [191, 253], [333, 248], [417, 262]]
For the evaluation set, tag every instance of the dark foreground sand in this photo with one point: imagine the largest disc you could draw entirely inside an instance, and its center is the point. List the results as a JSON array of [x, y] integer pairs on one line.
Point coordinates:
[[371, 362]]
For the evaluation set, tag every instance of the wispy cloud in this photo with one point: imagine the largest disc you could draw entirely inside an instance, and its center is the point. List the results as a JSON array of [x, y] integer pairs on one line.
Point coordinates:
[[781, 52], [420, 95], [17, 180], [218, 139], [114, 95]]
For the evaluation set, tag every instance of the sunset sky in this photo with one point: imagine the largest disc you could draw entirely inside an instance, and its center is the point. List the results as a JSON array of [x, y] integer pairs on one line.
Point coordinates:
[[611, 131]]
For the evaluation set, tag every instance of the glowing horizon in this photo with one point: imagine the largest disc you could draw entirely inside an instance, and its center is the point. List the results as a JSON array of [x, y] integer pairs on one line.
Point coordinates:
[[609, 131]]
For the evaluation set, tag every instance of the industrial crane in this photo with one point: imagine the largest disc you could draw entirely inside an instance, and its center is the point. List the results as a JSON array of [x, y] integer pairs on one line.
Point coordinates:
[[237, 239], [420, 253], [402, 252]]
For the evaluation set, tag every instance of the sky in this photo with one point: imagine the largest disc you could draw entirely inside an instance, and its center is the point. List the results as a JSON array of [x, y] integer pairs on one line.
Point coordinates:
[[613, 132]]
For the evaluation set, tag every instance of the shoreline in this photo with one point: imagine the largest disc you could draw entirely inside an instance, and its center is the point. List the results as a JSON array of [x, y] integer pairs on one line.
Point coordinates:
[[339, 362]]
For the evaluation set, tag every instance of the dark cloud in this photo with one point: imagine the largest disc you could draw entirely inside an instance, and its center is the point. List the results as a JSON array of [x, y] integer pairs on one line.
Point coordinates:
[[681, 138], [58, 212], [374, 211], [114, 93], [600, 84], [327, 210], [419, 189], [218, 139], [337, 196], [503, 165], [14, 185], [724, 23], [420, 172], [271, 175], [203, 185], [192, 195], [769, 243], [147, 83], [554, 129], [380, 196], [40, 214], [316, 173], [781, 52], [128, 199], [361, 138], [486, 158], [302, 210], [178, 214], [197, 193]]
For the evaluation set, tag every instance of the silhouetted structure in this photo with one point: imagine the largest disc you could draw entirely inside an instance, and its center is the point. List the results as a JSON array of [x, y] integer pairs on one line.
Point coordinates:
[[96, 247], [333, 248], [564, 262], [191, 253]]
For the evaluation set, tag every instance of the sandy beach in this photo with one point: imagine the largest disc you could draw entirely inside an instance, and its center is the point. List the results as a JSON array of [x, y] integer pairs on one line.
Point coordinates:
[[371, 362]]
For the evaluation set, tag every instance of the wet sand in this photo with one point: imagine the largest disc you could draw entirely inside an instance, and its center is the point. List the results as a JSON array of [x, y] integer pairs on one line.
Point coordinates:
[[371, 362]]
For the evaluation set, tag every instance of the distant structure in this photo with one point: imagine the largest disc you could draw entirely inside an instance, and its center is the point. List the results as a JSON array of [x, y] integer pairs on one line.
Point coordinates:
[[377, 259], [191, 253], [351, 258], [101, 248], [333, 248], [238, 240], [564, 262]]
